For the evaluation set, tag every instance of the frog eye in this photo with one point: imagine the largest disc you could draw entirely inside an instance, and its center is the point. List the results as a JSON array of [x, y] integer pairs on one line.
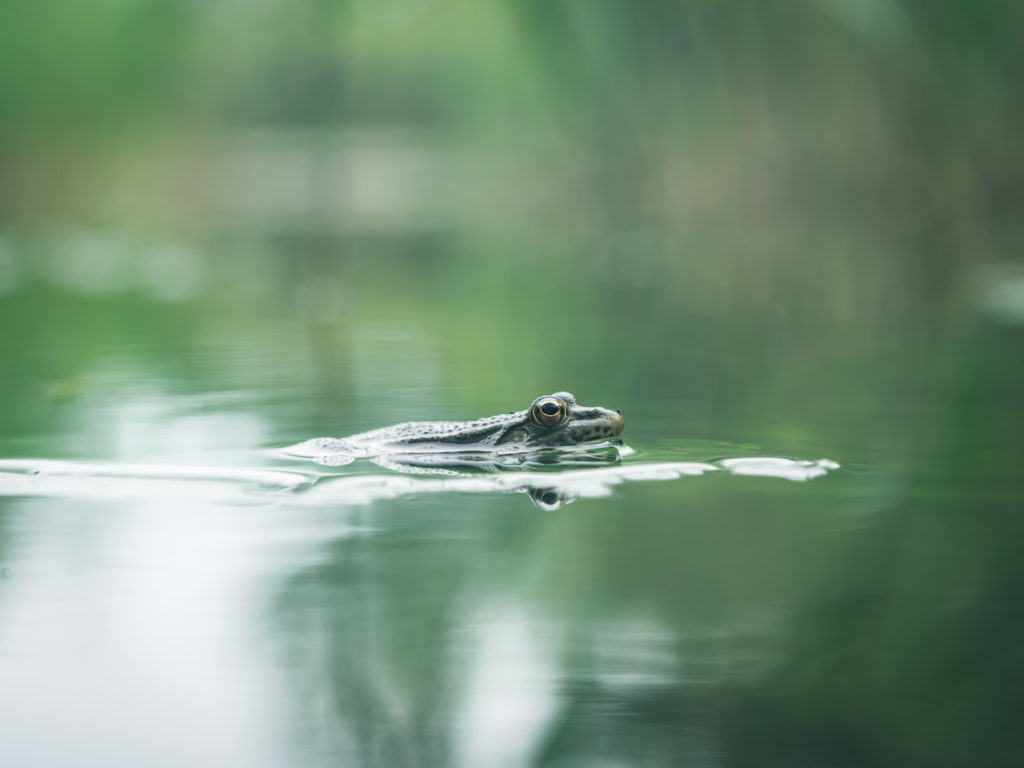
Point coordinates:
[[547, 411], [550, 499]]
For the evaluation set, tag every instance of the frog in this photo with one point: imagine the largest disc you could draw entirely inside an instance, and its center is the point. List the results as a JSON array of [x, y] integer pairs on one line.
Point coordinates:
[[553, 425]]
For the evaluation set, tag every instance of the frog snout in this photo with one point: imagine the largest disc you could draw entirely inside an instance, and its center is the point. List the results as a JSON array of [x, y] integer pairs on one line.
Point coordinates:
[[616, 422]]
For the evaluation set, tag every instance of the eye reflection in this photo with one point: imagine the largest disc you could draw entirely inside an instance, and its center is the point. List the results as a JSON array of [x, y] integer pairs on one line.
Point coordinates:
[[550, 499], [547, 411]]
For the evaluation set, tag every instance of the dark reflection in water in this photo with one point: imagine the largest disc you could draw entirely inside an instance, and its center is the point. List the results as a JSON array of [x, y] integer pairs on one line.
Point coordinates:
[[911, 651]]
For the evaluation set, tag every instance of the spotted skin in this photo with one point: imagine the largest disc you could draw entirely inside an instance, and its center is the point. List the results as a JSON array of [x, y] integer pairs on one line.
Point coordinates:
[[520, 430]]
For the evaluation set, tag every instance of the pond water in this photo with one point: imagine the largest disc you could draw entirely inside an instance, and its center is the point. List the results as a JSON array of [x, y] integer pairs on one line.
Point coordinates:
[[810, 555]]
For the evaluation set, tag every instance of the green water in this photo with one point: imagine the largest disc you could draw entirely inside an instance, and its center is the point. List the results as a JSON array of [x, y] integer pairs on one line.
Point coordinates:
[[865, 616], [757, 234]]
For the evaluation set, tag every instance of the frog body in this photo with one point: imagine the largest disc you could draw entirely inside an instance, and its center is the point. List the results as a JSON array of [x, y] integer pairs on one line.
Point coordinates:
[[554, 422]]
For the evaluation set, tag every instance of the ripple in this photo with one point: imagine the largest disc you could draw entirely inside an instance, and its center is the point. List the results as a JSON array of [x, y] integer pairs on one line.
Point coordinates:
[[547, 489]]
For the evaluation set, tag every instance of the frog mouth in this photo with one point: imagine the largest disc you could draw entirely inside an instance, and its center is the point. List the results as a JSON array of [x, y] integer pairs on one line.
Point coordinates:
[[598, 424]]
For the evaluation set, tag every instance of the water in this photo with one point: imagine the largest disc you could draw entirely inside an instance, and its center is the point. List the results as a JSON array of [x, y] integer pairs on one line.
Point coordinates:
[[174, 591], [784, 243]]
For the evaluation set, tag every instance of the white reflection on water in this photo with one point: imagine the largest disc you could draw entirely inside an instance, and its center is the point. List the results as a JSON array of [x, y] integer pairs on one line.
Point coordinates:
[[786, 469], [1001, 292], [121, 414], [125, 482], [509, 694], [61, 479], [634, 652], [125, 635]]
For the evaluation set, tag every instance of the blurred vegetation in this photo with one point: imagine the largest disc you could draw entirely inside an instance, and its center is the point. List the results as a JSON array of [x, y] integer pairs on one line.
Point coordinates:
[[803, 180]]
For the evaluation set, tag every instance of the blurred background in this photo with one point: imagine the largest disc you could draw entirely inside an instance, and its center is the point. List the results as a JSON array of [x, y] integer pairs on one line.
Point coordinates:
[[785, 229]]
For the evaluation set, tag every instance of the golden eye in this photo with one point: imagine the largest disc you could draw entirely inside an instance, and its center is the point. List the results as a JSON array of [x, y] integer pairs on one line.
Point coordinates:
[[547, 411]]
